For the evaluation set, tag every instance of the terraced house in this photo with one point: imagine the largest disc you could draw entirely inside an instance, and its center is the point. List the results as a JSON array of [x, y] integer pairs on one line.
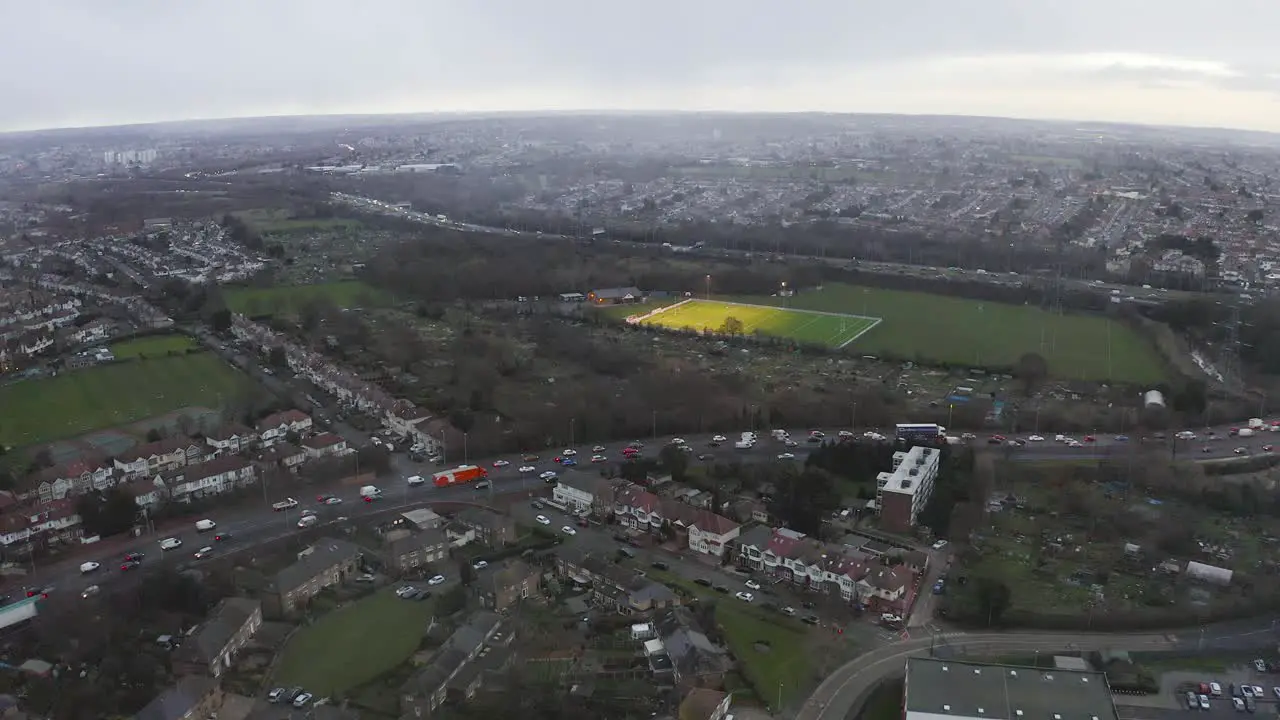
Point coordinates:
[[69, 480], [160, 457], [219, 475]]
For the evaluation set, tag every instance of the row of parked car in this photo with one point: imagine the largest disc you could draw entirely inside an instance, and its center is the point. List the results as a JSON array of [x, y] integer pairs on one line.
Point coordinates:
[[294, 696]]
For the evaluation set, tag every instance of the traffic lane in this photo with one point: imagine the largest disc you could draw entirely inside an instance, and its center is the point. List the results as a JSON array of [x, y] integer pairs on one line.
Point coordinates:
[[258, 527]]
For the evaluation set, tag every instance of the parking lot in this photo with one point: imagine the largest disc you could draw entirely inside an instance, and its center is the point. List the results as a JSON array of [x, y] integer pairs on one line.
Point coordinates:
[[1171, 701]]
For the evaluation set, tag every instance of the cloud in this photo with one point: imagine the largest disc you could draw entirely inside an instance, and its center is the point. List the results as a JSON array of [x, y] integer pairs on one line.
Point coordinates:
[[66, 62]]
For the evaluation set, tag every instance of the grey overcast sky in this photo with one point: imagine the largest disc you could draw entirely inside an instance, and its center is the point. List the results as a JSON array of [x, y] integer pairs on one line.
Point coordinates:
[[105, 62]]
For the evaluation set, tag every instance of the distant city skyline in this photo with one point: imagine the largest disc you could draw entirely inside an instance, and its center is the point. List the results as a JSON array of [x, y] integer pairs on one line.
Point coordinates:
[[72, 63]]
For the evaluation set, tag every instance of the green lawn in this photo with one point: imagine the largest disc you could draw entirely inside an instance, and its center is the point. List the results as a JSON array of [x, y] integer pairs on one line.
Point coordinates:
[[152, 346], [79, 401], [289, 299], [970, 332], [822, 328], [353, 645], [784, 665]]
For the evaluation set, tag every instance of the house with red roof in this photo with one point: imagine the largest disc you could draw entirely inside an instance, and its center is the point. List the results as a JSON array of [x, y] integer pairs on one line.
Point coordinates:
[[68, 480], [277, 426], [711, 534], [324, 444]]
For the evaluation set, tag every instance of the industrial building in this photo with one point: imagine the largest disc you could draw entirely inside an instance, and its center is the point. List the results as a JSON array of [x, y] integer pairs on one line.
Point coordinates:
[[938, 689]]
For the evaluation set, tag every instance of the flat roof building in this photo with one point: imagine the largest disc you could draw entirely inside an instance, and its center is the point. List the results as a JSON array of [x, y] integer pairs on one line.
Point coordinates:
[[903, 493], [946, 690]]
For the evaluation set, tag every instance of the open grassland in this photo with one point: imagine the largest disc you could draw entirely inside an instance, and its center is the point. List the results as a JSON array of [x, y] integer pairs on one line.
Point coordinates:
[[151, 346], [290, 299], [713, 316], [355, 644], [278, 222], [970, 332], [79, 401]]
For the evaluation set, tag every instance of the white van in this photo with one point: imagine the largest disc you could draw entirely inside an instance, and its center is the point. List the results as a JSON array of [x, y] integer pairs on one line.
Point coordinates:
[[170, 544], [744, 444], [205, 525], [307, 521], [416, 480]]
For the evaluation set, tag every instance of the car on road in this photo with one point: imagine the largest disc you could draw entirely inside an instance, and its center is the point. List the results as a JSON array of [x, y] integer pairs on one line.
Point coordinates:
[[90, 591], [170, 544], [744, 596], [530, 458], [89, 567], [569, 452], [302, 700], [500, 463], [1240, 451], [791, 443], [719, 439], [788, 611], [548, 475], [223, 536], [568, 530], [436, 580], [568, 462], [527, 468], [599, 459], [543, 520], [479, 565], [702, 581], [939, 545], [1192, 701], [129, 565], [405, 591], [599, 449], [204, 552], [706, 457], [786, 456], [752, 584], [1036, 438], [1260, 665], [1215, 689], [1237, 703], [275, 695]]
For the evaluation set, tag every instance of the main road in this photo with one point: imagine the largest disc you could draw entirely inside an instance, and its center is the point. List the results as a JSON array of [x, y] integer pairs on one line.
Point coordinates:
[[257, 522]]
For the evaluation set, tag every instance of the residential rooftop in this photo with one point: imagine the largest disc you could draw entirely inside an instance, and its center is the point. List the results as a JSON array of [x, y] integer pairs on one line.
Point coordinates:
[[945, 689]]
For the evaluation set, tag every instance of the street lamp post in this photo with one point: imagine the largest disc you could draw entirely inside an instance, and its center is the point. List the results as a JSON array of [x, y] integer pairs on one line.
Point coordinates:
[[464, 448], [571, 422], [708, 287]]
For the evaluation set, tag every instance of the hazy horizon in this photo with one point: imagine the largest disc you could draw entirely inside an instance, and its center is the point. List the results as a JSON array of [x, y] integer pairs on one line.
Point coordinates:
[[74, 63]]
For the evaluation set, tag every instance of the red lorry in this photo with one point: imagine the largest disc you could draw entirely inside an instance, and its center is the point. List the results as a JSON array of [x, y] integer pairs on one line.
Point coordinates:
[[459, 475]]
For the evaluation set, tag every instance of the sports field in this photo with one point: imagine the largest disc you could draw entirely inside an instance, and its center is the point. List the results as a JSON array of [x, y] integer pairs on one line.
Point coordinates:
[[79, 401], [289, 299], [821, 328], [984, 334]]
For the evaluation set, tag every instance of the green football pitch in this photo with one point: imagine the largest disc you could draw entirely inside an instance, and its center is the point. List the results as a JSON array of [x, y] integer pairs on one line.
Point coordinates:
[[809, 326]]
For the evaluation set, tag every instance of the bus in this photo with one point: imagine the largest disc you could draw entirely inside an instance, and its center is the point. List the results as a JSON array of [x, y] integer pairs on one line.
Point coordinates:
[[920, 431], [459, 475]]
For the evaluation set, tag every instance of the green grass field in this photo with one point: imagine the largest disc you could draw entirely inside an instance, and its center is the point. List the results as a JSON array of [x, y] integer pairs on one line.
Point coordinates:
[[823, 328], [152, 346], [289, 299], [783, 663], [969, 332], [353, 645], [80, 401]]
